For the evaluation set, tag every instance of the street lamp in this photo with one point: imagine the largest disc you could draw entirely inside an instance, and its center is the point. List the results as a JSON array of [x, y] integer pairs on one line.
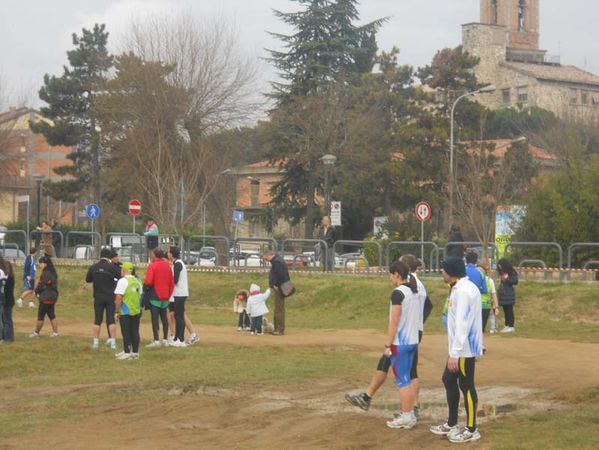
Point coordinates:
[[328, 161], [483, 90], [38, 177]]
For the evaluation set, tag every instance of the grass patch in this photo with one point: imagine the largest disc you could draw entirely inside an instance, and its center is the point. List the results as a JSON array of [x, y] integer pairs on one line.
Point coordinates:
[[543, 310], [576, 427]]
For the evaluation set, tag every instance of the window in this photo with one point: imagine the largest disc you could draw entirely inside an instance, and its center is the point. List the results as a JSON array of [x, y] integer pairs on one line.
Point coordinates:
[[595, 98], [506, 95], [522, 94], [584, 97], [521, 15], [494, 12], [573, 96], [255, 193]]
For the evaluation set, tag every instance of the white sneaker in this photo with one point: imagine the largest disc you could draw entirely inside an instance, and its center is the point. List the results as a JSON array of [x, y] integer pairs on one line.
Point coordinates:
[[508, 330], [193, 339], [154, 344], [96, 343], [19, 302], [34, 335], [239, 328], [405, 420], [123, 356], [112, 344], [133, 355], [444, 430], [493, 330], [171, 339], [178, 343], [119, 354], [464, 436], [54, 335], [165, 343]]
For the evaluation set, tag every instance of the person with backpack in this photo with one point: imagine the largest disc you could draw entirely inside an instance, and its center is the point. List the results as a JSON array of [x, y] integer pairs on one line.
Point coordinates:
[[474, 274], [47, 292], [506, 294]]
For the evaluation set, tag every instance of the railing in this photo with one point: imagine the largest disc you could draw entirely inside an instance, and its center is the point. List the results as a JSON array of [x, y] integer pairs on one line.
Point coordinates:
[[314, 243], [538, 244], [362, 244], [95, 238], [214, 239], [434, 255]]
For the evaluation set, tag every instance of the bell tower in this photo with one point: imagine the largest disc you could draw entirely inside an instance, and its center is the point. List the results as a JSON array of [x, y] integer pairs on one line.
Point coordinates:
[[520, 17]]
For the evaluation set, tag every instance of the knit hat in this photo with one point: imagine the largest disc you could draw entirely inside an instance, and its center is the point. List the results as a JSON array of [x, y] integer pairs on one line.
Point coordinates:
[[454, 267], [127, 265], [254, 289]]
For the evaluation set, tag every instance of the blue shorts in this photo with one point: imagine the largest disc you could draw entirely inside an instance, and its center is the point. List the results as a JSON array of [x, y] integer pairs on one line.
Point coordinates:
[[27, 284], [402, 358]]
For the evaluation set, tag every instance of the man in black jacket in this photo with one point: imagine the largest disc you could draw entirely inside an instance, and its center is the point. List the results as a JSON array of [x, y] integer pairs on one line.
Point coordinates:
[[278, 275], [327, 234], [104, 275]]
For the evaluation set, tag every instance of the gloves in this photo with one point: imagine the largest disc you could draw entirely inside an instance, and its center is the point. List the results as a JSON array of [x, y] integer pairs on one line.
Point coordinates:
[[31, 305], [19, 302]]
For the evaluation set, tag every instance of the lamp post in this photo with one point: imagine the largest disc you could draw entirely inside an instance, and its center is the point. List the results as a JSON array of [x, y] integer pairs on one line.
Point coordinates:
[[38, 177], [483, 90], [328, 161]]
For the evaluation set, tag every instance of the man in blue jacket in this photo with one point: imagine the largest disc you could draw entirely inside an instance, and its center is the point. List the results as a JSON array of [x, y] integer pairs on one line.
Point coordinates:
[[474, 274]]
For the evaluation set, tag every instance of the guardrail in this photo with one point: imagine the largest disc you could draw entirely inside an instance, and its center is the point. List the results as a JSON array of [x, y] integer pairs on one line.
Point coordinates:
[[434, 255], [538, 244], [579, 245], [95, 237], [315, 243], [362, 244], [8, 245]]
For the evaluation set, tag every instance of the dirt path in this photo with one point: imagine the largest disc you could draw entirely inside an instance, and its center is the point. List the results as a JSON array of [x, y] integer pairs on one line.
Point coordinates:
[[524, 375]]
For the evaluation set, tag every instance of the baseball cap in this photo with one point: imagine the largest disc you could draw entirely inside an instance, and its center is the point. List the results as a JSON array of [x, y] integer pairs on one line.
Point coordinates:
[[127, 265]]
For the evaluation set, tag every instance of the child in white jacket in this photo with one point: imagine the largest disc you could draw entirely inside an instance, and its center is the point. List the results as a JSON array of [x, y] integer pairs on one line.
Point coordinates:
[[256, 308]]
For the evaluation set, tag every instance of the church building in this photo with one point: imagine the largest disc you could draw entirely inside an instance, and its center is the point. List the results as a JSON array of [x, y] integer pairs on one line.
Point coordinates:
[[507, 43]]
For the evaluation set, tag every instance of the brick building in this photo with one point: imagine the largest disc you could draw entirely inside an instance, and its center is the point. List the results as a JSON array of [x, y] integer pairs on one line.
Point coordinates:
[[507, 43], [24, 156], [252, 195]]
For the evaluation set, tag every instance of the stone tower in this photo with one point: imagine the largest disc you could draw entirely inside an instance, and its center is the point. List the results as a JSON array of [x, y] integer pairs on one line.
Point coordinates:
[[520, 17]]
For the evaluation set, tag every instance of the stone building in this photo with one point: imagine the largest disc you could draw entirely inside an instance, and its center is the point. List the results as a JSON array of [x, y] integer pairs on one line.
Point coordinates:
[[507, 43]]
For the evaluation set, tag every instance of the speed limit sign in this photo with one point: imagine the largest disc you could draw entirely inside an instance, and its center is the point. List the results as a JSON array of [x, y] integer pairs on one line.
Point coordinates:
[[423, 211]]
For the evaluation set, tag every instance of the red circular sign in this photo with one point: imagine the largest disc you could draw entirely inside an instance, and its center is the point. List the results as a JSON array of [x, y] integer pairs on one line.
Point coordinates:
[[423, 211], [135, 207]]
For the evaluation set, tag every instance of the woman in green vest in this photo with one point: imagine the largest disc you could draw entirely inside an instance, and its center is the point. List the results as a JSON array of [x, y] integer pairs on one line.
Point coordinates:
[[128, 311]]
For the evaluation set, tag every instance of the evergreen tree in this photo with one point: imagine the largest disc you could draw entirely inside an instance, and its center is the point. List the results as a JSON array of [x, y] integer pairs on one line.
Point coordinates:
[[325, 53], [326, 46], [70, 100]]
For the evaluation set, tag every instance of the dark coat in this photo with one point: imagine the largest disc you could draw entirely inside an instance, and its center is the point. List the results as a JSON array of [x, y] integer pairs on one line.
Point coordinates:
[[506, 294], [279, 273], [47, 287], [328, 236]]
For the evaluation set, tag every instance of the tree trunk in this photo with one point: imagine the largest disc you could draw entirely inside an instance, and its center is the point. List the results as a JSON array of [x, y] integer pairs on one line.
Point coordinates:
[[309, 225]]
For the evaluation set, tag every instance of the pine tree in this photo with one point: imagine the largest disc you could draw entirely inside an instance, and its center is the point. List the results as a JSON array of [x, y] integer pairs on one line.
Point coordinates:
[[324, 54], [326, 46], [70, 100]]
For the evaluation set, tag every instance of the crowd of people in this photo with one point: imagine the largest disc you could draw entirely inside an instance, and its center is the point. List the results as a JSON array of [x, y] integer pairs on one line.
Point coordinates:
[[472, 299]]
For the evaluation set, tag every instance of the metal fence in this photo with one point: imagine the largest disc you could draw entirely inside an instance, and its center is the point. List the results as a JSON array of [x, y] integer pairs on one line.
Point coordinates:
[[300, 254]]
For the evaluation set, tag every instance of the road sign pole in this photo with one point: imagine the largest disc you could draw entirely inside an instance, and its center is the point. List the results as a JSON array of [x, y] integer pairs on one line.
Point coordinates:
[[422, 242], [133, 224]]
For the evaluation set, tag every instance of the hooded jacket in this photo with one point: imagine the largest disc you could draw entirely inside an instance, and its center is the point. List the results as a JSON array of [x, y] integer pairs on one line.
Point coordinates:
[[257, 302]]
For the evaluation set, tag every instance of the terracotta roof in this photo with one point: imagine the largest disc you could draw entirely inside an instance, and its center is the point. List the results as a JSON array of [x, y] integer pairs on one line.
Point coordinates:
[[570, 74], [501, 146]]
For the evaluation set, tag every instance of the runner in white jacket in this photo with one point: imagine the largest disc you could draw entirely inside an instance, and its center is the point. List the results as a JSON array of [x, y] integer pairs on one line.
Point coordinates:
[[256, 308], [465, 344]]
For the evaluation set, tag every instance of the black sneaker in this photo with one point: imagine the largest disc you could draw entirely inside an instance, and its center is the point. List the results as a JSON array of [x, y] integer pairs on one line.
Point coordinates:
[[360, 400]]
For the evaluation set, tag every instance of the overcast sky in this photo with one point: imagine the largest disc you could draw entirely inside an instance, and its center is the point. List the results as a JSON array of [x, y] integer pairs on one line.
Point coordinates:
[[35, 34]]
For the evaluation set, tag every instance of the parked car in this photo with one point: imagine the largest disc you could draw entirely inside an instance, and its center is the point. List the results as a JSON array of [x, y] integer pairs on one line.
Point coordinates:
[[10, 251]]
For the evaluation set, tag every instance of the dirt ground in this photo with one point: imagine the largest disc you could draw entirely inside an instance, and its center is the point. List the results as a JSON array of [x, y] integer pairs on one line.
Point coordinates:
[[517, 375]]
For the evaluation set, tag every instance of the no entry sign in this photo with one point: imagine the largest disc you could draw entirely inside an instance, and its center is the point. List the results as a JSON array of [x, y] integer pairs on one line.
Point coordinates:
[[135, 207]]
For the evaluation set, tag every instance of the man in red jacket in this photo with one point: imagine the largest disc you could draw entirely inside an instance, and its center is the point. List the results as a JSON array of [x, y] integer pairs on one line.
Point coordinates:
[[158, 286]]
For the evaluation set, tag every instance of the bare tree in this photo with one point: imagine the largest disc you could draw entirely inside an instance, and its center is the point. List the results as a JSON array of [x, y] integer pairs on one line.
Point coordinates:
[[211, 88]]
